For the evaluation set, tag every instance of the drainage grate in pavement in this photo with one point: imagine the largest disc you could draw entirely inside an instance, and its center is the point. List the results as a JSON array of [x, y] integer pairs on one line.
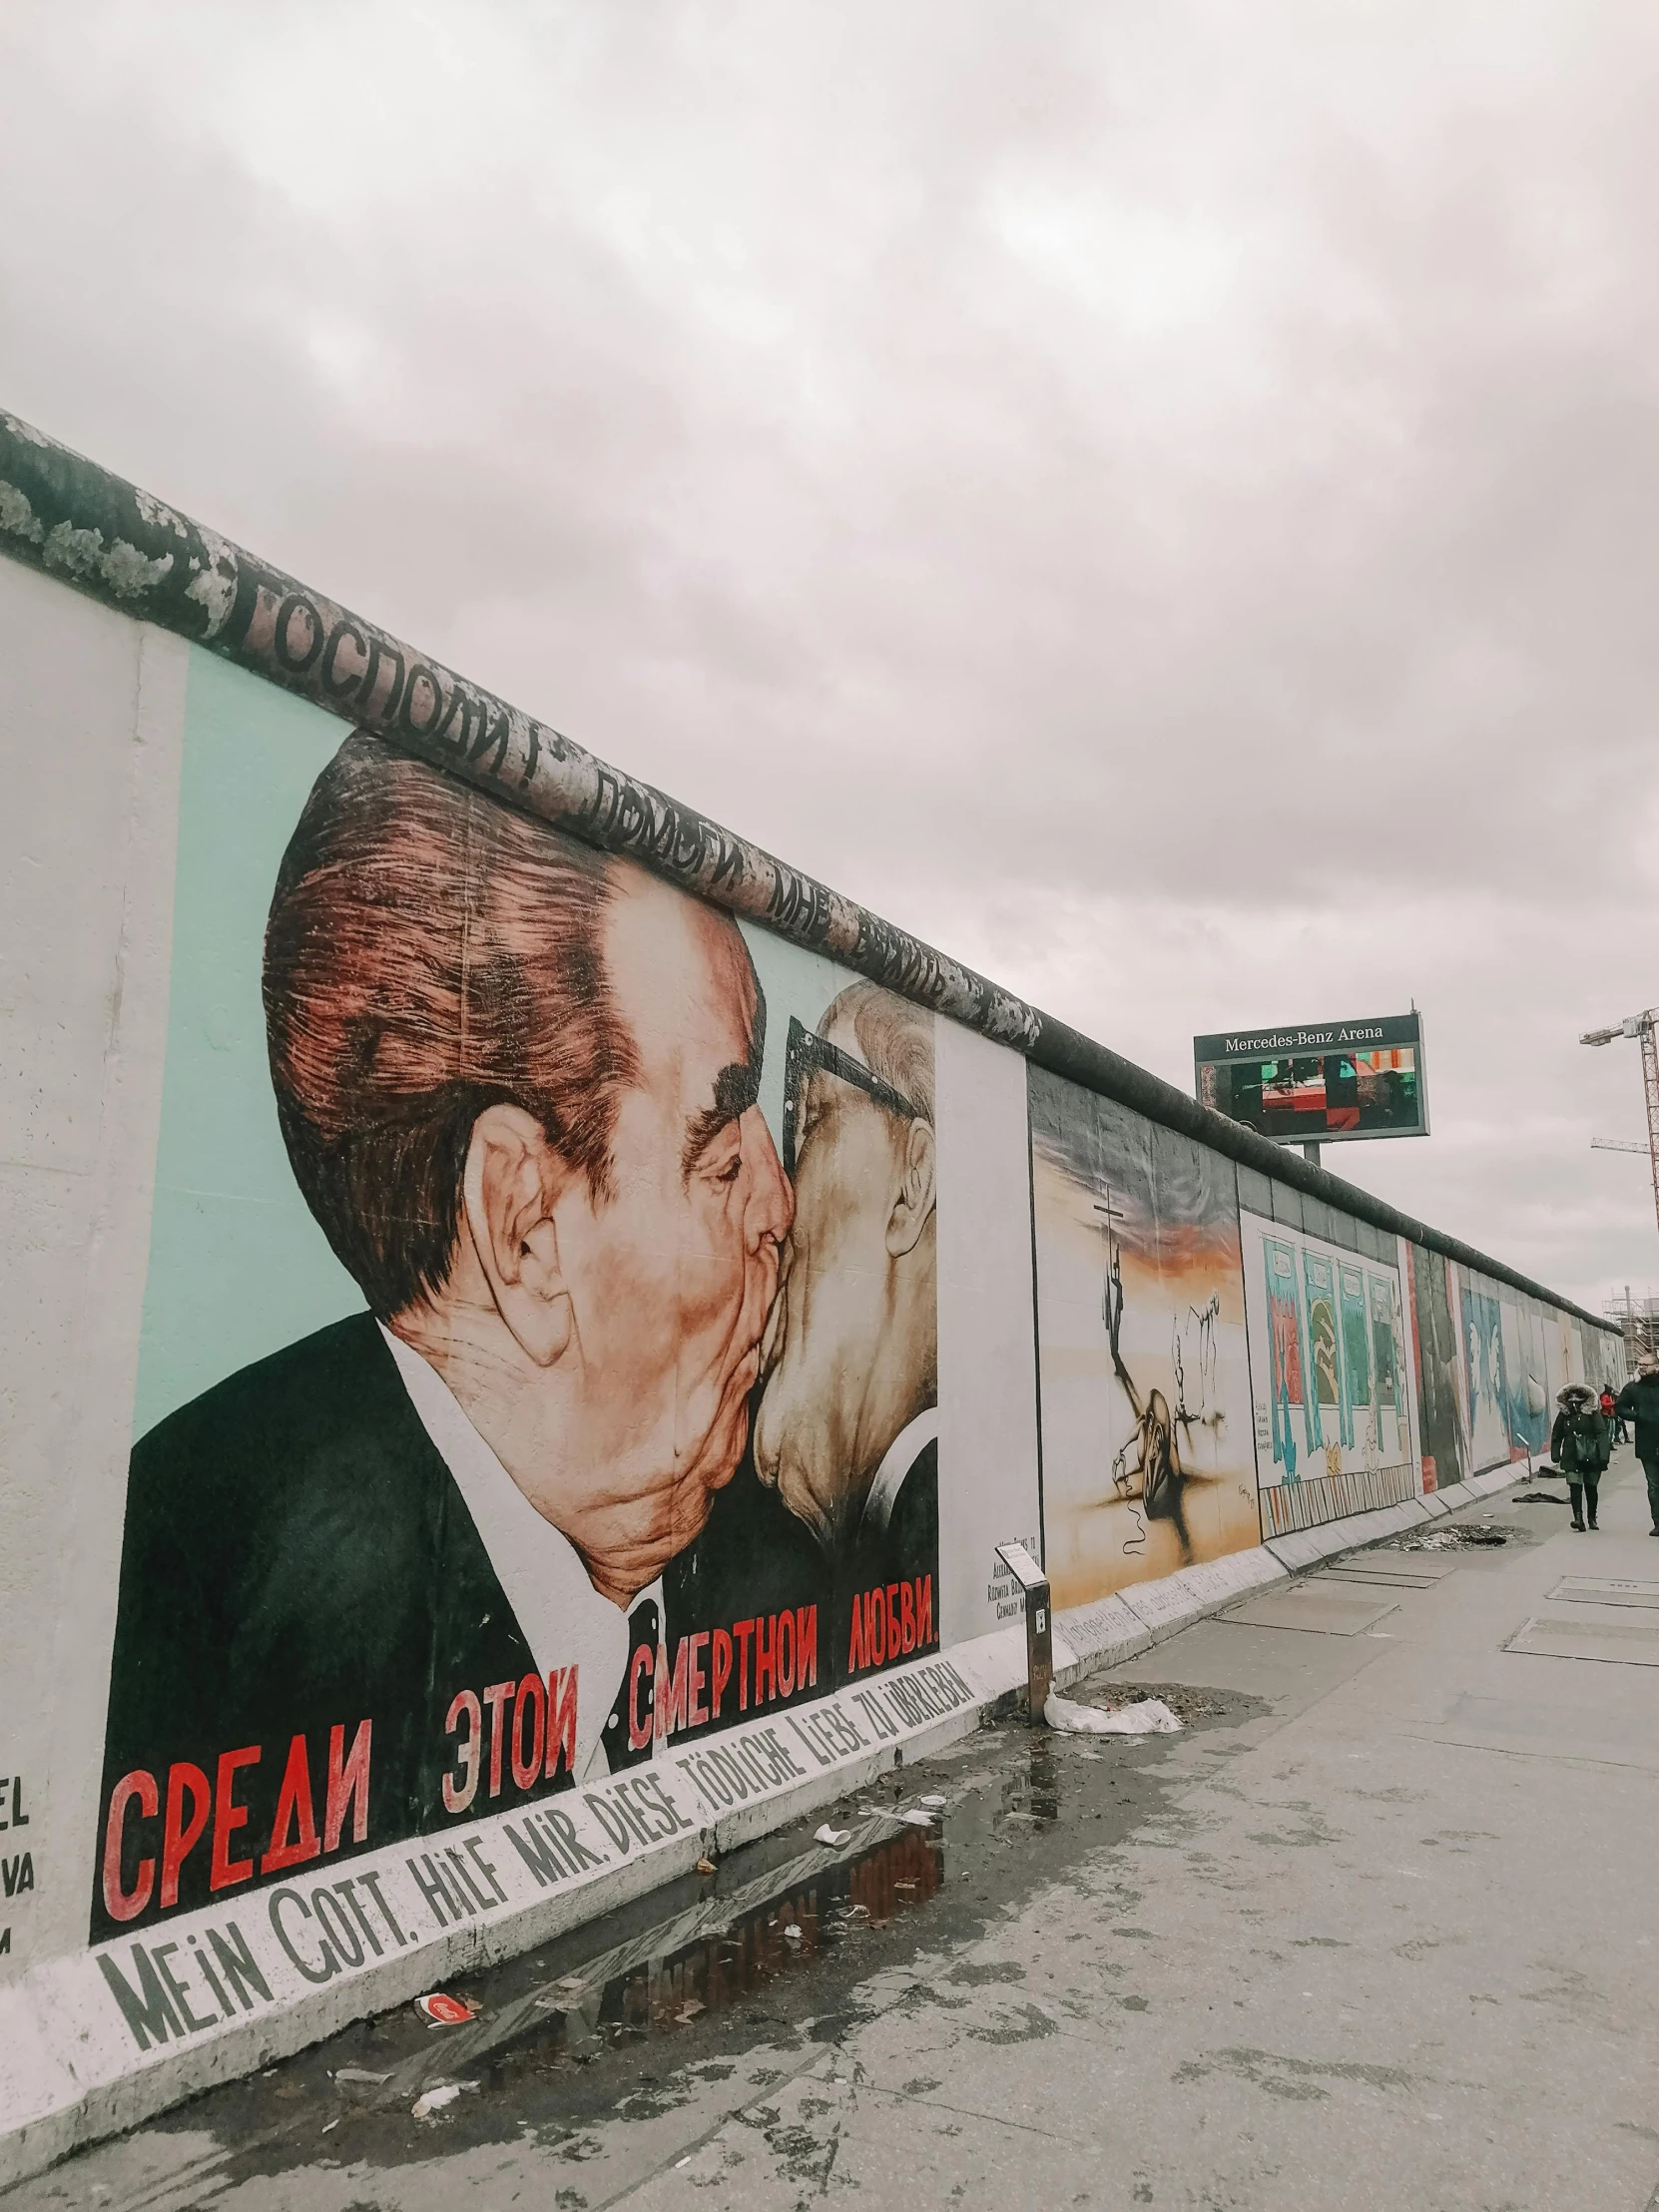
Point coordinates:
[[1597, 1589], [1392, 1569], [1630, 1644], [1322, 1606]]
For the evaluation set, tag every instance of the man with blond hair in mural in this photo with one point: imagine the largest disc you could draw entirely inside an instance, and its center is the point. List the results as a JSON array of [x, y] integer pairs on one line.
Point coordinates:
[[848, 1426], [835, 1514], [394, 1573]]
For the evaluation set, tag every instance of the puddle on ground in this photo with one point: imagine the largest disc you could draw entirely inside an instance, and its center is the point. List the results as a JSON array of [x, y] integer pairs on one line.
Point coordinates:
[[773, 1930], [705, 1971], [786, 1933]]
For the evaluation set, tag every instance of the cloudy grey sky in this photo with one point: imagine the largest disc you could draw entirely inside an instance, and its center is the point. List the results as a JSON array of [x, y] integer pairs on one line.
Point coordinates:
[[1159, 501]]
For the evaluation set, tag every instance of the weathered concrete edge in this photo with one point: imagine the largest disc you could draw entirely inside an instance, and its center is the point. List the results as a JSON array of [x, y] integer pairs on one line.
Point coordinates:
[[73, 2105], [1310, 1545], [89, 528], [1108, 1631], [1118, 1628]]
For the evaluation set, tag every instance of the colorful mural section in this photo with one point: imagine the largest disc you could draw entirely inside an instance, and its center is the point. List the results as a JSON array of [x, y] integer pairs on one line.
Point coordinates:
[[1525, 1380], [1444, 1456], [599, 1407], [1512, 1359], [1144, 1379], [1329, 1380]]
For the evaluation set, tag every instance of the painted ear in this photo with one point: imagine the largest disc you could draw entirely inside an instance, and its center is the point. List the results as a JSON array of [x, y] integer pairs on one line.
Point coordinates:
[[513, 1182], [912, 1207]]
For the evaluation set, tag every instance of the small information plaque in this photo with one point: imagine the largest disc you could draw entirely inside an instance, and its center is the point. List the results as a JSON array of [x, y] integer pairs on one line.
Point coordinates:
[[1039, 1630]]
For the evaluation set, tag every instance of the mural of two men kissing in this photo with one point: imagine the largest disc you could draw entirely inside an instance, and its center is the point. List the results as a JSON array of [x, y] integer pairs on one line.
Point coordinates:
[[635, 1432]]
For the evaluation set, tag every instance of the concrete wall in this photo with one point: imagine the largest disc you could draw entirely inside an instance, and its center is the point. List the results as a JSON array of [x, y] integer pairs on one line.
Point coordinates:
[[86, 894], [513, 1366]]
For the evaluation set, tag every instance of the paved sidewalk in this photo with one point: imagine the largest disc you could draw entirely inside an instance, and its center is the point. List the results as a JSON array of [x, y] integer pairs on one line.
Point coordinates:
[[1389, 1941]]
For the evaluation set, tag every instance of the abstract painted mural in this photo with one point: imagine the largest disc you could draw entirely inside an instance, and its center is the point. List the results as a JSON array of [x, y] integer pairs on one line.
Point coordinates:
[[1147, 1456], [1526, 1381], [1330, 1388], [1485, 1388], [1441, 1420]]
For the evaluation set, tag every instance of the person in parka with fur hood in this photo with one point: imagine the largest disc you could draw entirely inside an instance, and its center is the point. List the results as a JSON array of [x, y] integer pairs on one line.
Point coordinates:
[[1581, 1443]]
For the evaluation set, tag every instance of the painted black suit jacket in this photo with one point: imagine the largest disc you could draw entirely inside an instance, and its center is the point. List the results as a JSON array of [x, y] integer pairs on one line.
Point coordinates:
[[755, 1557], [297, 1558]]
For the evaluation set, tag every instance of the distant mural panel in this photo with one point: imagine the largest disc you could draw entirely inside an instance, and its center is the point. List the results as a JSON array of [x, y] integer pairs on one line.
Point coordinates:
[[1444, 1459], [1485, 1383], [1557, 1355], [1331, 1395], [1526, 1383], [1147, 1457], [1511, 1360]]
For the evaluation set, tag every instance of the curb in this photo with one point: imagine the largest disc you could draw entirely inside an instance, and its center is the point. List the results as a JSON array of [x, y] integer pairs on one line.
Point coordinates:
[[85, 2063]]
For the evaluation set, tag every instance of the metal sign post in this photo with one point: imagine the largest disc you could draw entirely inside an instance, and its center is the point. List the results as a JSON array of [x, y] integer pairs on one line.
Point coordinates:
[[1039, 1629]]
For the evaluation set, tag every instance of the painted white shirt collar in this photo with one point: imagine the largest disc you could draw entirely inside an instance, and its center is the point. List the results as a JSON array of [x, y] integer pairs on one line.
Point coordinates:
[[563, 1616], [897, 1461]]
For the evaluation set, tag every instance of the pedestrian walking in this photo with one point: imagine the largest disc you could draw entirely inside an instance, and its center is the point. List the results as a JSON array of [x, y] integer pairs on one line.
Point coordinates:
[[1610, 1412], [1639, 1402], [1581, 1444]]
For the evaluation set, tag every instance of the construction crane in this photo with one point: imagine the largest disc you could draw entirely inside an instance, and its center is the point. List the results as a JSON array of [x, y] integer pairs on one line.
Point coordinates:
[[1616, 1144], [1639, 1026]]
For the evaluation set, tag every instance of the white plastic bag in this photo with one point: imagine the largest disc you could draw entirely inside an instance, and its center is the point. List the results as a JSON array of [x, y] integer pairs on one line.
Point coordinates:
[[1151, 1717]]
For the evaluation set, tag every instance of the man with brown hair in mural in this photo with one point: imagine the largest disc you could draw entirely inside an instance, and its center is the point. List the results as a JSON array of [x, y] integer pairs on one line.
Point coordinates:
[[394, 1573]]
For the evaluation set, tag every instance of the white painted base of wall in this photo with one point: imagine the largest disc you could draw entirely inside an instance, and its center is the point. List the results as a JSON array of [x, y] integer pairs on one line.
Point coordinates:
[[75, 2072]]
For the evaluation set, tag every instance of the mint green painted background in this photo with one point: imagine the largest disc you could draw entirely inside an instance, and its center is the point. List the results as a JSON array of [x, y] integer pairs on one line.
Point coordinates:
[[237, 1266]]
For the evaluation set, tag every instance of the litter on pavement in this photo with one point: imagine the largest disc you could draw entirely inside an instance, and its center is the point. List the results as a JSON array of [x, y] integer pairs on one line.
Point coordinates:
[[1148, 1717], [438, 2009], [1457, 1536], [434, 2099]]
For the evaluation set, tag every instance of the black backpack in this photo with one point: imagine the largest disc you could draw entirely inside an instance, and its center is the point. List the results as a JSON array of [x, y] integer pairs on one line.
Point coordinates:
[[1584, 1443]]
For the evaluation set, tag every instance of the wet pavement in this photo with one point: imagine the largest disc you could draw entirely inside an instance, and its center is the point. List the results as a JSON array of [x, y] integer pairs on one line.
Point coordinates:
[[1376, 1929]]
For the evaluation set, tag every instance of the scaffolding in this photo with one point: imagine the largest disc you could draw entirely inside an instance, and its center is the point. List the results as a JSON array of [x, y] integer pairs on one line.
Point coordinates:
[[1638, 1317]]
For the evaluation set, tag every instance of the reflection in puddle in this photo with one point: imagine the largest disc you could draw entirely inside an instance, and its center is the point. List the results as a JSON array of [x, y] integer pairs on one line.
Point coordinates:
[[729, 1954], [734, 1951], [743, 1931], [711, 1975], [1032, 1791]]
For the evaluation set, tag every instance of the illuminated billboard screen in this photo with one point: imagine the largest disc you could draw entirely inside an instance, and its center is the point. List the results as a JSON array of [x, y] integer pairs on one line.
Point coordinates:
[[1319, 1084]]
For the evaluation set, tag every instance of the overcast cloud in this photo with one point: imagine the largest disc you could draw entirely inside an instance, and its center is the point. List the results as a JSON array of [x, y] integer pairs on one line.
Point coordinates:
[[1159, 501]]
